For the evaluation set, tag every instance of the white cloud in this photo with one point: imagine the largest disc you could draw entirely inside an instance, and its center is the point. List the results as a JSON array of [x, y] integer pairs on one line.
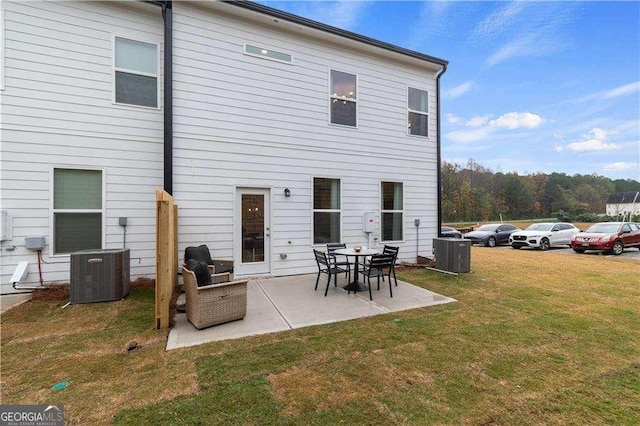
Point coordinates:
[[594, 141], [627, 89], [477, 121], [431, 21], [467, 136], [497, 21], [524, 29], [523, 46], [459, 90], [453, 119], [516, 120], [620, 166]]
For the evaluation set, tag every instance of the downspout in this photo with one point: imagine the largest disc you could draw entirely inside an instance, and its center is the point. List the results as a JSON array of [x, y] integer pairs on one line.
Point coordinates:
[[439, 154], [167, 16]]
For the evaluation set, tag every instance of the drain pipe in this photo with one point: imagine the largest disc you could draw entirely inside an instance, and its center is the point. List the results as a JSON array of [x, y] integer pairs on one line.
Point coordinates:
[[439, 151], [167, 16]]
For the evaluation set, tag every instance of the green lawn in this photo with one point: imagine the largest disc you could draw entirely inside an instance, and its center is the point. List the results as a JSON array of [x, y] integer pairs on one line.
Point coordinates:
[[535, 338]]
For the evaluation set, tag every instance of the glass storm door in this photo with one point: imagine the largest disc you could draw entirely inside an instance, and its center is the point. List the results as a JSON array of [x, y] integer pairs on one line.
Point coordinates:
[[252, 231]]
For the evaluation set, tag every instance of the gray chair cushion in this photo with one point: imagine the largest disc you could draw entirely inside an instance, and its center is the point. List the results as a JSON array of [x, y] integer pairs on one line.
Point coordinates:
[[201, 270]]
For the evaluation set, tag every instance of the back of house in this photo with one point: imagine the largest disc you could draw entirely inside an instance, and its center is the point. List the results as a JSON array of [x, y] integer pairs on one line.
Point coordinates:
[[276, 135]]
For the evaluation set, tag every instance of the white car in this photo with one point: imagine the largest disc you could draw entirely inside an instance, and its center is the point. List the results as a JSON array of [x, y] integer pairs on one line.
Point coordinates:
[[544, 235]]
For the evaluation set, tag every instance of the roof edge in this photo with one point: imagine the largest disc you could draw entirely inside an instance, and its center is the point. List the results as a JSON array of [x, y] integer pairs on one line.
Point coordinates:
[[266, 10]]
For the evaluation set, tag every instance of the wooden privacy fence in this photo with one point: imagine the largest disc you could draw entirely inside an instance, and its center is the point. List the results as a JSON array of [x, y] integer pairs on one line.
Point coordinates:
[[166, 255]]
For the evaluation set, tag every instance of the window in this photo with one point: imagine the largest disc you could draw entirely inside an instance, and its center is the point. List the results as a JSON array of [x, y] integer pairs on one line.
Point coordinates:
[[418, 112], [261, 52], [326, 210], [343, 98], [135, 73], [392, 211], [77, 210]]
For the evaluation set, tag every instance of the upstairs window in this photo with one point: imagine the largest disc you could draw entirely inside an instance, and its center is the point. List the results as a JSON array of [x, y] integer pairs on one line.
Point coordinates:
[[392, 211], [418, 112], [135, 73], [343, 98], [77, 210], [326, 210], [264, 53]]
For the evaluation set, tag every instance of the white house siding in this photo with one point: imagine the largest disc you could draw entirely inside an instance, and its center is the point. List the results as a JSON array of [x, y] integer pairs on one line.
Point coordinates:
[[57, 110], [242, 121]]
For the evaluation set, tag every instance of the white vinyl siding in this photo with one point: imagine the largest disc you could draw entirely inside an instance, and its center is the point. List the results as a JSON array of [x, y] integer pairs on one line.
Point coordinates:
[[392, 211], [1, 48], [135, 72], [78, 210], [238, 122], [58, 110]]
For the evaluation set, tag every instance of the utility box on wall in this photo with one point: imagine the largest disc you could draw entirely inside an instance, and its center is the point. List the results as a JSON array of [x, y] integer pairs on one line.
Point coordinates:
[[99, 275], [452, 254]]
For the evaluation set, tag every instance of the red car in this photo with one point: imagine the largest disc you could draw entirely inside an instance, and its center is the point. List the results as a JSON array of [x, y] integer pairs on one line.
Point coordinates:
[[607, 236]]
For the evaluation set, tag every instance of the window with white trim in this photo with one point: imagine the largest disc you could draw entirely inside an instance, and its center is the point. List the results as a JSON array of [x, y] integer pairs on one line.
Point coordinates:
[[327, 213], [343, 98], [392, 211], [77, 210], [418, 112], [135, 70]]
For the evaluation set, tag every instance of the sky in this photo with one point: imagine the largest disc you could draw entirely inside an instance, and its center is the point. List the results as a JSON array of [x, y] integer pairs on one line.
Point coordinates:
[[532, 86]]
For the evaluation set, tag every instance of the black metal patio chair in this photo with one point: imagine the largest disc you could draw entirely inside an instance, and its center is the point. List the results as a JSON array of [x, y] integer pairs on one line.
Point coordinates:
[[331, 255], [326, 267], [376, 267]]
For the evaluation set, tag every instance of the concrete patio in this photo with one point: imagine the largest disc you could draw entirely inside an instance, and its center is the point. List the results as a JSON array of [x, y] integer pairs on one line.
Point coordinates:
[[285, 303]]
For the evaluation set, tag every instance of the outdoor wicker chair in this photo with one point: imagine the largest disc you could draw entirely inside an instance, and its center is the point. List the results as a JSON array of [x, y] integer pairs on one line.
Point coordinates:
[[216, 303]]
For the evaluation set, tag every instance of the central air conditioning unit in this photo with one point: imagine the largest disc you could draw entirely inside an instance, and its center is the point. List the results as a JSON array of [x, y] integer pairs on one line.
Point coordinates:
[[99, 275], [452, 255]]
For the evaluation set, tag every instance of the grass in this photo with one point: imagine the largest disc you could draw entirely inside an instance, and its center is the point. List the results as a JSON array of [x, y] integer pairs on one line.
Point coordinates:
[[535, 338]]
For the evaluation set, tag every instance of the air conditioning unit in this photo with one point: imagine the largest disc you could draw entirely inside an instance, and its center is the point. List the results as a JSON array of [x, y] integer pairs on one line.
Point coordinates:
[[99, 275], [452, 255]]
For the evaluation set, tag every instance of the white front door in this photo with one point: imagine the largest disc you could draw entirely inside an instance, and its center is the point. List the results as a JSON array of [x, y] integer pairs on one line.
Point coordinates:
[[252, 231]]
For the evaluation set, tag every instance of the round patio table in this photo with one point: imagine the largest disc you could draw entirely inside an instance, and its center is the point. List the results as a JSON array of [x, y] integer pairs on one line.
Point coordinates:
[[356, 285]]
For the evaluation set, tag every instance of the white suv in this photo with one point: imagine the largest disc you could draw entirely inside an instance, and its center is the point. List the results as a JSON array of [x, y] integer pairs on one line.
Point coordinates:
[[544, 235]]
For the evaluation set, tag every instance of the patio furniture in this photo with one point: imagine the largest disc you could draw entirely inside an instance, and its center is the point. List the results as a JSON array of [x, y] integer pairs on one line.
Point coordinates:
[[216, 303], [376, 266], [356, 285], [326, 267], [331, 254], [202, 254], [393, 251]]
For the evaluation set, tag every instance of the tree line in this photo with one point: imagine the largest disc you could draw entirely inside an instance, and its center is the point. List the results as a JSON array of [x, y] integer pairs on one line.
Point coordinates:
[[473, 193]]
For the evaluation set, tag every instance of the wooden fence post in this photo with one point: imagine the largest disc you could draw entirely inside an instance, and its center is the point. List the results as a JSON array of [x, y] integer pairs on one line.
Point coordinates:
[[166, 255]]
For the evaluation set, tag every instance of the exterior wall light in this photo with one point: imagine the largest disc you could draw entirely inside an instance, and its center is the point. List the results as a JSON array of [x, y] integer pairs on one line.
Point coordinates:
[[287, 192]]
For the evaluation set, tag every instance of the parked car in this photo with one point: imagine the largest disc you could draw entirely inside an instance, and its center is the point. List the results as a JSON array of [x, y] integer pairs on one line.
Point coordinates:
[[607, 236], [491, 235], [544, 235], [447, 232]]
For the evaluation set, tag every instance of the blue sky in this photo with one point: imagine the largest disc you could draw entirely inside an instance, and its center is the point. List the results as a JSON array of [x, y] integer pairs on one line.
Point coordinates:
[[532, 86]]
